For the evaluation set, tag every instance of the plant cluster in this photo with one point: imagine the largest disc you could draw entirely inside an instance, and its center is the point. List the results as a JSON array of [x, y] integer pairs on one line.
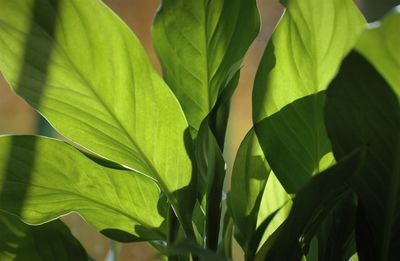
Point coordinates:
[[317, 177]]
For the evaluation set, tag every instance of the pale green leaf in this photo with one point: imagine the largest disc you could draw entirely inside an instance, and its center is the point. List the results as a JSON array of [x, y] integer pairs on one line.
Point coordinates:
[[50, 241], [249, 177], [86, 72], [274, 198], [302, 57], [379, 43], [42, 179], [201, 44]]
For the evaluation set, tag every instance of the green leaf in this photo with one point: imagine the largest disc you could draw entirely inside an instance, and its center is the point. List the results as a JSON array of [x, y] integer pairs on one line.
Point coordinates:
[[362, 110], [379, 43], [301, 58], [201, 45], [313, 203], [336, 237], [86, 72], [275, 201], [42, 179], [294, 140], [211, 165], [191, 247], [50, 241], [249, 177]]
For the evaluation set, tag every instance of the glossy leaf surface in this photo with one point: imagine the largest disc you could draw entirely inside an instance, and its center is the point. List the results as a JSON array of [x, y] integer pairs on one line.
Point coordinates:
[[201, 45], [86, 72], [301, 58], [50, 241], [43, 179], [363, 111]]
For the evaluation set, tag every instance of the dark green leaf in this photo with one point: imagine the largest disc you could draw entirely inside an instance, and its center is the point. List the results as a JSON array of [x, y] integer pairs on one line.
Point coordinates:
[[363, 110], [294, 140], [50, 241], [310, 208], [336, 238], [211, 165]]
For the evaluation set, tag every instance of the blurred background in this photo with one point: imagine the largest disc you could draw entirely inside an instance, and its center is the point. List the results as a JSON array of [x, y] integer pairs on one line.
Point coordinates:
[[16, 117]]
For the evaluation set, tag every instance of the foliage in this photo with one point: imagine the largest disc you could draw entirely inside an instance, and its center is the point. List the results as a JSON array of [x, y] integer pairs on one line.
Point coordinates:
[[317, 177]]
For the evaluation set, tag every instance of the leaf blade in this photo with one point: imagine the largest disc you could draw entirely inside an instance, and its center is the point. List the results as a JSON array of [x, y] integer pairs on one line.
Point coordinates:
[[81, 67], [200, 45], [52, 240], [300, 60], [55, 179]]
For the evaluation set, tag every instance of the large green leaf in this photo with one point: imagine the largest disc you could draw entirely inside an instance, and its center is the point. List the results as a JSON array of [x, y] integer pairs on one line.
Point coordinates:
[[85, 71], [312, 205], [50, 241], [249, 176], [380, 43], [294, 140], [201, 44], [302, 57], [42, 179], [362, 110]]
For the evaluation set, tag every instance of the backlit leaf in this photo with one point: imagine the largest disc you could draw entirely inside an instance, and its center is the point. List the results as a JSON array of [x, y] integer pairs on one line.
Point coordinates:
[[201, 44], [301, 58], [42, 179], [80, 66]]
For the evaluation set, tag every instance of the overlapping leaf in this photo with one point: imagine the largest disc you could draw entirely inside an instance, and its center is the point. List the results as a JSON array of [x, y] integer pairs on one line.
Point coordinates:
[[201, 45], [51, 241], [379, 43], [249, 177], [301, 58], [362, 110], [85, 71], [42, 179], [311, 206]]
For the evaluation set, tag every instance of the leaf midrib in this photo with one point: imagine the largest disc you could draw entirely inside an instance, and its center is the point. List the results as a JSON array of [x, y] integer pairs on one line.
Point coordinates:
[[87, 83]]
